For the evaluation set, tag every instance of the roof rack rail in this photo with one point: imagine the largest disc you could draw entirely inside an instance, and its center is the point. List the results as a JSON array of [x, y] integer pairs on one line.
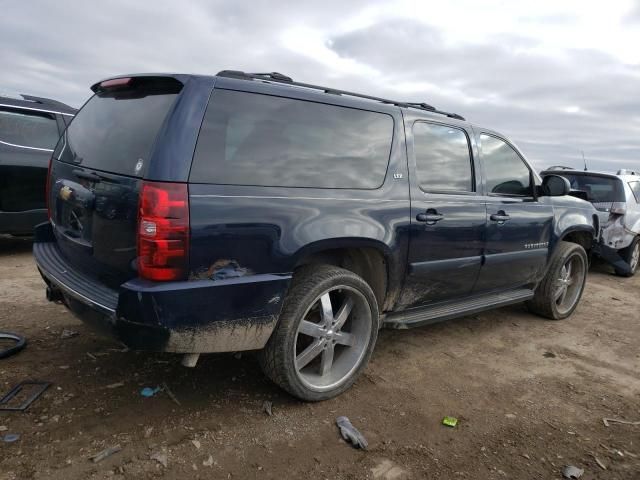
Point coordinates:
[[280, 78]]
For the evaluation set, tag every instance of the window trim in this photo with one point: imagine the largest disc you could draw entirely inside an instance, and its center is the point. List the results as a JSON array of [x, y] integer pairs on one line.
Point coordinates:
[[532, 182], [13, 109], [474, 182]]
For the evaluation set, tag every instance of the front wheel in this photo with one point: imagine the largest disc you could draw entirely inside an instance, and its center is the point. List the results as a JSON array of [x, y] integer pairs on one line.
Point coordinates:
[[631, 255], [325, 335], [558, 294]]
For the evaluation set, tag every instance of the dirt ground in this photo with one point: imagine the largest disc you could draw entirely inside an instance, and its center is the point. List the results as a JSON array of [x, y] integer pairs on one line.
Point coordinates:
[[529, 394]]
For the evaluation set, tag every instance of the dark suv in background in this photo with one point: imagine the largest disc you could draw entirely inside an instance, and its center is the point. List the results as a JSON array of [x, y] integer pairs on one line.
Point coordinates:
[[29, 130], [234, 212]]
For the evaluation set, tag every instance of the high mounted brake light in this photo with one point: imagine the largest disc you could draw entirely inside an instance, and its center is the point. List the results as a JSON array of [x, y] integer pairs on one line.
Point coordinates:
[[115, 82], [163, 231]]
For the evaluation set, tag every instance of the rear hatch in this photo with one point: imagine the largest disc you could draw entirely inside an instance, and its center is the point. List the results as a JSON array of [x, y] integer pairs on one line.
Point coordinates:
[[97, 171]]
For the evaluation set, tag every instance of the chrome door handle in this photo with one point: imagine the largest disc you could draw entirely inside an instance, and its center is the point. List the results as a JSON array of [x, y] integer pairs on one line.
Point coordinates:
[[499, 217], [429, 217]]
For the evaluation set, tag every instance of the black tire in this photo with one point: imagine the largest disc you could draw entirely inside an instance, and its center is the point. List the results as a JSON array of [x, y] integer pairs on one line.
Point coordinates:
[[544, 302], [277, 359], [627, 255]]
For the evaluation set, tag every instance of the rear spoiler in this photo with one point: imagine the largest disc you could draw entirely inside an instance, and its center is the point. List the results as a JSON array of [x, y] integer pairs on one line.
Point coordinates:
[[125, 81]]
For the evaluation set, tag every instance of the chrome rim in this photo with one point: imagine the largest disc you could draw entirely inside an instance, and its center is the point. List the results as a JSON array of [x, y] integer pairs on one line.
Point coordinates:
[[569, 284], [635, 256], [332, 338]]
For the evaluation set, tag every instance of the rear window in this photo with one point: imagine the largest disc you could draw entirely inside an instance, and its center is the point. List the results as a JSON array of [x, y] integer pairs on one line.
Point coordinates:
[[20, 128], [254, 139], [598, 189], [115, 131]]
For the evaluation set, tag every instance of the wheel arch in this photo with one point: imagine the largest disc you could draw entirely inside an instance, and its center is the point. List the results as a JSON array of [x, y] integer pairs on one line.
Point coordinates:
[[370, 259]]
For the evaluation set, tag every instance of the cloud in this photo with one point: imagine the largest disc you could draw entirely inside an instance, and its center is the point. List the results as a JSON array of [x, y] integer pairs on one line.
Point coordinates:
[[557, 80]]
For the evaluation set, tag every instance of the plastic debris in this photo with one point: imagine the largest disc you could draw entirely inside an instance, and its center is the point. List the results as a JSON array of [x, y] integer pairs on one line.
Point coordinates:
[[149, 392], [450, 421], [161, 458], [267, 407], [569, 471], [107, 452], [170, 394], [68, 334], [11, 437], [351, 434], [607, 421], [115, 385]]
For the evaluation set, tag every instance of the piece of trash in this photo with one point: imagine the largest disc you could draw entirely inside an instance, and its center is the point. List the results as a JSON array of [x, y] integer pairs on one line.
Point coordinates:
[[208, 462], [196, 444], [510, 416], [600, 464], [351, 434], [267, 407], [149, 392], [3, 428], [161, 458], [148, 431], [607, 421], [68, 334], [549, 355], [91, 356], [569, 471], [107, 452], [170, 394], [37, 389], [19, 344], [450, 421], [115, 385], [11, 437]]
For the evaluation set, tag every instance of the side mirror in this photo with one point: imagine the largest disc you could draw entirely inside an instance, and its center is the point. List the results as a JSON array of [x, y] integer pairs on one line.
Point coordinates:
[[555, 186]]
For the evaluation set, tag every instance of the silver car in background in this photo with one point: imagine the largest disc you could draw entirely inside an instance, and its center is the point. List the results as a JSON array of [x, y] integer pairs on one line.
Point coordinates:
[[616, 197]]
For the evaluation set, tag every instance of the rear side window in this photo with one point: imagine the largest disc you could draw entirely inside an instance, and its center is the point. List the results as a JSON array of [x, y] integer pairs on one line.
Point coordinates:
[[254, 139], [506, 173], [443, 160], [115, 131], [28, 129], [635, 188], [598, 189]]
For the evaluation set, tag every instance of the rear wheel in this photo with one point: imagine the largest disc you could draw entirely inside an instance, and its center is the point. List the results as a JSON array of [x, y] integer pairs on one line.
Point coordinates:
[[558, 294], [631, 255], [325, 335]]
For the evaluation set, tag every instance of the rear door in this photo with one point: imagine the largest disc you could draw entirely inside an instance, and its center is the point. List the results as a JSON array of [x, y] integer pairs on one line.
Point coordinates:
[[97, 170], [518, 224], [447, 213]]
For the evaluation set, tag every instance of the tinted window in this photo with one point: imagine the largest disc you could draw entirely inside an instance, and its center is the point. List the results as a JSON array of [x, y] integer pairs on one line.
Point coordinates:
[[35, 130], [113, 132], [252, 139], [442, 158], [505, 171], [598, 189], [635, 187]]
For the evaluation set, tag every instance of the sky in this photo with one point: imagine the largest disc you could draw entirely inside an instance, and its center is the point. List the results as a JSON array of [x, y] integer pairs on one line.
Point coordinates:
[[558, 77]]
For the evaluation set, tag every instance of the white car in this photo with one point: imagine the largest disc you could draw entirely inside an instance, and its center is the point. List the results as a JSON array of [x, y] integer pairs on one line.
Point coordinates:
[[617, 200]]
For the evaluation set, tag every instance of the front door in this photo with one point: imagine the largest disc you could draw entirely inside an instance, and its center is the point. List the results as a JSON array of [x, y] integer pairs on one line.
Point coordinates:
[[447, 214], [518, 225]]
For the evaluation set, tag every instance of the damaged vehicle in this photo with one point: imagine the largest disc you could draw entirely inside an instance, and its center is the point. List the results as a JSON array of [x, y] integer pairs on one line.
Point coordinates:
[[195, 214], [29, 130], [617, 200]]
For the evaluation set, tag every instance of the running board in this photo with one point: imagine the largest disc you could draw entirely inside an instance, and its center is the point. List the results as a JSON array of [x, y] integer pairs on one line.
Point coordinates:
[[417, 317]]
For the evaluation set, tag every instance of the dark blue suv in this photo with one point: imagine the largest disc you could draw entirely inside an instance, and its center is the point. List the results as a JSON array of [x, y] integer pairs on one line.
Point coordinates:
[[194, 214]]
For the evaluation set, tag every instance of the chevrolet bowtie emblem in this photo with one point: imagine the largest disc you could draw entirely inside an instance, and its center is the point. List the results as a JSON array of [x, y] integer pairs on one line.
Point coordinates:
[[65, 193]]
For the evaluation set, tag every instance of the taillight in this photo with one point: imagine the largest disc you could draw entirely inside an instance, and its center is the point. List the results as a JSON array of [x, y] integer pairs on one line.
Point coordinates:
[[47, 190], [163, 231]]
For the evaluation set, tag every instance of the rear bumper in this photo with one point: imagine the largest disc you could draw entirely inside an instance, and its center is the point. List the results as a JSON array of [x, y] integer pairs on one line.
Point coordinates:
[[21, 223], [182, 317]]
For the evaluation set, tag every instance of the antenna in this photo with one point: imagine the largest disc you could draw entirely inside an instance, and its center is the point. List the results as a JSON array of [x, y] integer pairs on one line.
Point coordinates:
[[583, 159]]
